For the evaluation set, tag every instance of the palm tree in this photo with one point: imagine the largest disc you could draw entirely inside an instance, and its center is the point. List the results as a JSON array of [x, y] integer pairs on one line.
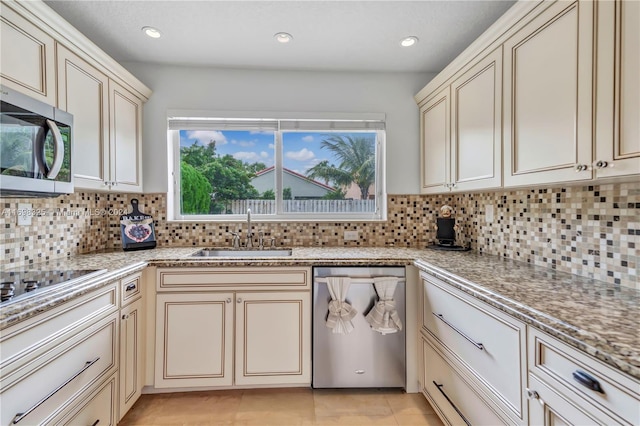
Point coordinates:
[[357, 163]]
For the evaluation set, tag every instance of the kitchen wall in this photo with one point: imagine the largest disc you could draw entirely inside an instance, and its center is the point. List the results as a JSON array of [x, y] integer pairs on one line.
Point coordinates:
[[593, 231], [215, 89]]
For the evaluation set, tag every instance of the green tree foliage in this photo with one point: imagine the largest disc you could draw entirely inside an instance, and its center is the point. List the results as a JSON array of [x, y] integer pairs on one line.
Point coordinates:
[[230, 179], [195, 190], [338, 194], [286, 194], [356, 156], [269, 194]]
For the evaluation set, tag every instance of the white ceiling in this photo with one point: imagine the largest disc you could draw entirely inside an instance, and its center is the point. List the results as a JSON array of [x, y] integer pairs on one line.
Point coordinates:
[[328, 35]]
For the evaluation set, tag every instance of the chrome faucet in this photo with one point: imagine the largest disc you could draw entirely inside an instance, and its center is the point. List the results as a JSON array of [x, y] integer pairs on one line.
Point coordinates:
[[249, 232]]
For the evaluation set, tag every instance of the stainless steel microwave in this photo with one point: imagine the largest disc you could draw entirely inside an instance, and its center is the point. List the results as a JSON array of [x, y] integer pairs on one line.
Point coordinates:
[[35, 147]]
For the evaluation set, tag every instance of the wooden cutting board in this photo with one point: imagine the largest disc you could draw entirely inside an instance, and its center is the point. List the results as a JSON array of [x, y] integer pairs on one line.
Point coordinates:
[[137, 230]]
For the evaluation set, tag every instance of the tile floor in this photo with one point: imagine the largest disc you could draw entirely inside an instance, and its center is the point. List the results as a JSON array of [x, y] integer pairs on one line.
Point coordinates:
[[283, 407]]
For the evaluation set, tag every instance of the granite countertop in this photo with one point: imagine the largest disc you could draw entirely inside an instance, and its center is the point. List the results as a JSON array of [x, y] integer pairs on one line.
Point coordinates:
[[590, 315]]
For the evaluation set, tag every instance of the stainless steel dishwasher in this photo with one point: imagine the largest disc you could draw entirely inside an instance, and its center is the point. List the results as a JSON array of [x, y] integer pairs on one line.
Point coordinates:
[[363, 358]]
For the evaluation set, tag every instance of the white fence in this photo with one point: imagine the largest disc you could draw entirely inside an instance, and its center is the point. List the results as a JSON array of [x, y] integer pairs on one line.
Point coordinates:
[[304, 206]]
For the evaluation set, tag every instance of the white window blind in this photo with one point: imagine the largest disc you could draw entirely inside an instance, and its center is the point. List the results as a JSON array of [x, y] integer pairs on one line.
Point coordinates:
[[179, 123]]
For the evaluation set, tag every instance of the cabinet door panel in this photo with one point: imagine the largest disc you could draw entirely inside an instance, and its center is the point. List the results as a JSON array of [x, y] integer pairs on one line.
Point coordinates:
[[27, 57], [477, 125], [618, 97], [435, 143], [131, 352], [548, 96], [83, 92], [194, 340], [126, 152], [273, 338]]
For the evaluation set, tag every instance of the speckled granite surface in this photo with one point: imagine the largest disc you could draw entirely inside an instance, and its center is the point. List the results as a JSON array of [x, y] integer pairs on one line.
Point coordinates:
[[594, 317]]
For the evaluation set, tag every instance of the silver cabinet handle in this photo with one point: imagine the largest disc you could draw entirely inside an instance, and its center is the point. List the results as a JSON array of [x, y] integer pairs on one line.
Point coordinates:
[[601, 164], [239, 300], [464, 419], [125, 317], [130, 287], [95, 423], [20, 416], [228, 300], [581, 167], [473, 342]]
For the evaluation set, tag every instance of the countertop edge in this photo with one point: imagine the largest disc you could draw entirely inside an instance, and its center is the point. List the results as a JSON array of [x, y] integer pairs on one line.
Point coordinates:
[[567, 333]]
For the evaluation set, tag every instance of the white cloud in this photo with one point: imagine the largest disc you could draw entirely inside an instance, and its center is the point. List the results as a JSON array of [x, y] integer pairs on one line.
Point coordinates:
[[243, 143], [204, 137], [307, 138], [264, 154], [250, 157], [303, 155], [272, 146]]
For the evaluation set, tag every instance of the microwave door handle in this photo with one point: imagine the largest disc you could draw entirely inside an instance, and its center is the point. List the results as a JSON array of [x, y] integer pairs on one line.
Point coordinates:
[[39, 155], [58, 150]]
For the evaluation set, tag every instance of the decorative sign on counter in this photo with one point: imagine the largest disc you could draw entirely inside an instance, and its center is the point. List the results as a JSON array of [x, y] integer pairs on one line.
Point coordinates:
[[137, 229]]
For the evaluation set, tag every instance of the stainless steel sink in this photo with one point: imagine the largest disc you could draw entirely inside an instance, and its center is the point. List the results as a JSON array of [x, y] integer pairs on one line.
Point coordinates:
[[231, 252]]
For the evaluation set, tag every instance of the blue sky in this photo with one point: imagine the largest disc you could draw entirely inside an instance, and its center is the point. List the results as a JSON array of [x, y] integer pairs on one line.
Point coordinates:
[[301, 150]]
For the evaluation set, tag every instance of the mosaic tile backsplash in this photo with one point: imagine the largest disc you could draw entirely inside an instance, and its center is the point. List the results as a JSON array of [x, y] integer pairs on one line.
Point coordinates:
[[592, 231]]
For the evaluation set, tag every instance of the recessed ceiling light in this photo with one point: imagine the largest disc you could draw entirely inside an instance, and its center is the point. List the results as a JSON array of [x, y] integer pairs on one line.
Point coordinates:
[[408, 41], [152, 32], [283, 37]]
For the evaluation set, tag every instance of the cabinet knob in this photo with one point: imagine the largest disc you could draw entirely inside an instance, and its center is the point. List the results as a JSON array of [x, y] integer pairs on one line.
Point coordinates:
[[532, 394], [600, 164], [581, 167], [228, 300], [125, 317], [239, 300]]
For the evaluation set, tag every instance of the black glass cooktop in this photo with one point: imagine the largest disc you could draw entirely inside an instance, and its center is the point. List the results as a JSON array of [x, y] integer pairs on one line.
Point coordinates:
[[16, 285]]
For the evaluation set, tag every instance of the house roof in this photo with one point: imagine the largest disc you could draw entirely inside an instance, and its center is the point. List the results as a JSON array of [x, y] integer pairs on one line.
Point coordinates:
[[296, 174]]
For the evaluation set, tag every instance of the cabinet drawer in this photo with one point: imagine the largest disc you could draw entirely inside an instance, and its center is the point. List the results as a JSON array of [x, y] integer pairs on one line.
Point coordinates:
[[198, 279], [28, 339], [452, 395], [130, 289], [562, 366], [487, 342], [48, 386], [97, 407]]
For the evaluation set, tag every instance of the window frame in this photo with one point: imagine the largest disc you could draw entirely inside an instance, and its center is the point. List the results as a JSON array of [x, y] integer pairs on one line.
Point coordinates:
[[173, 139]]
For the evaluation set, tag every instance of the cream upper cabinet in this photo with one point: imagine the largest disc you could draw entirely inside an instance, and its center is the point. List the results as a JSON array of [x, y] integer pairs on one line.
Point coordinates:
[[435, 130], [272, 338], [476, 126], [27, 57], [126, 139], [83, 92], [548, 70], [617, 149], [461, 128]]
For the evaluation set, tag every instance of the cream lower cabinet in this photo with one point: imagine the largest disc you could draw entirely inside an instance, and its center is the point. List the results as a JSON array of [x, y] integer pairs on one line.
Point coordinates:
[[566, 386], [194, 340], [52, 364], [473, 346], [132, 353], [210, 319], [272, 338], [548, 97]]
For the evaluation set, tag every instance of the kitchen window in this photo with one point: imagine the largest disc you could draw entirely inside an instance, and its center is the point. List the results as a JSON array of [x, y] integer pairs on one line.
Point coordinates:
[[320, 168]]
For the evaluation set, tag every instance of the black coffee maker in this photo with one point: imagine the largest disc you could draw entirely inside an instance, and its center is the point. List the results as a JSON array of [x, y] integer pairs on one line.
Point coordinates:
[[446, 232]]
